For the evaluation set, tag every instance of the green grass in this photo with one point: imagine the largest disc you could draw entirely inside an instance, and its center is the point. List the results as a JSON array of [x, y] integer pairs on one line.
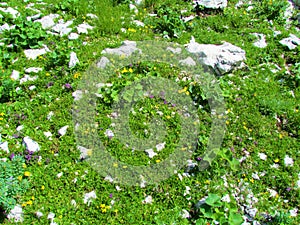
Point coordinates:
[[262, 117]]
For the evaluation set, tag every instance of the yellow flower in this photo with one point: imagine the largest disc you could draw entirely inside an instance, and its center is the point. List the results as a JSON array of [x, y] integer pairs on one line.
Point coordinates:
[[124, 70], [130, 70], [108, 207], [280, 136], [276, 160], [2, 114], [47, 74], [60, 217], [115, 164], [27, 174], [76, 75], [102, 206], [227, 122], [1, 118], [32, 198], [29, 202], [24, 204], [103, 210], [207, 182], [43, 187], [157, 161], [19, 178]]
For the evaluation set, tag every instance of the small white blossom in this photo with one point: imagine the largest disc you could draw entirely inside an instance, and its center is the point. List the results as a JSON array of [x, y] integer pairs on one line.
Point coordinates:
[[273, 193], [275, 166], [73, 203]]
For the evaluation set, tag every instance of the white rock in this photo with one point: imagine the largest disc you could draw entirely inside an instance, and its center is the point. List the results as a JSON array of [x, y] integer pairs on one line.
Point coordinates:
[[51, 216], [77, 95], [93, 16], [33, 70], [291, 42], [262, 156], [4, 146], [148, 200], [6, 27], [138, 23], [19, 128], [62, 27], [59, 174], [73, 36], [222, 58], [133, 8], [15, 75], [293, 212], [50, 114], [48, 21], [39, 214], [150, 153], [213, 4], [160, 146], [84, 152], [16, 214], [83, 28], [34, 53], [73, 60], [62, 131], [32, 87], [261, 42], [185, 214], [48, 135], [27, 78], [11, 11], [34, 17], [288, 161], [31, 145]]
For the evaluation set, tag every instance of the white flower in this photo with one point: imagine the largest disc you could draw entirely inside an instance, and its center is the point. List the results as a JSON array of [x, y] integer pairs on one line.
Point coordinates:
[[89, 196], [109, 133], [262, 156], [288, 161], [148, 200], [59, 175], [180, 177], [298, 184], [226, 198], [294, 212]]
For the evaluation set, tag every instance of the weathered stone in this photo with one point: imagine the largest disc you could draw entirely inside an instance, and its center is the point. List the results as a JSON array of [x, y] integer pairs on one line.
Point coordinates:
[[291, 42], [212, 4], [221, 58], [30, 144], [127, 48]]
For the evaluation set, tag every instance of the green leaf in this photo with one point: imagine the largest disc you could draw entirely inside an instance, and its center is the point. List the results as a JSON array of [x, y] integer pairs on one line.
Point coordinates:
[[235, 219], [213, 200]]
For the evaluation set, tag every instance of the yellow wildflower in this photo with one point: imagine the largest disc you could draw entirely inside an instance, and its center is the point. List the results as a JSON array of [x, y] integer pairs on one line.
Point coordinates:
[[43, 187], [27, 174]]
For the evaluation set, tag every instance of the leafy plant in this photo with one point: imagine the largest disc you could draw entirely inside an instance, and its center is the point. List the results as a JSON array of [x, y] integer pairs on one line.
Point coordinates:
[[7, 86], [168, 22], [226, 213], [11, 182], [27, 34]]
